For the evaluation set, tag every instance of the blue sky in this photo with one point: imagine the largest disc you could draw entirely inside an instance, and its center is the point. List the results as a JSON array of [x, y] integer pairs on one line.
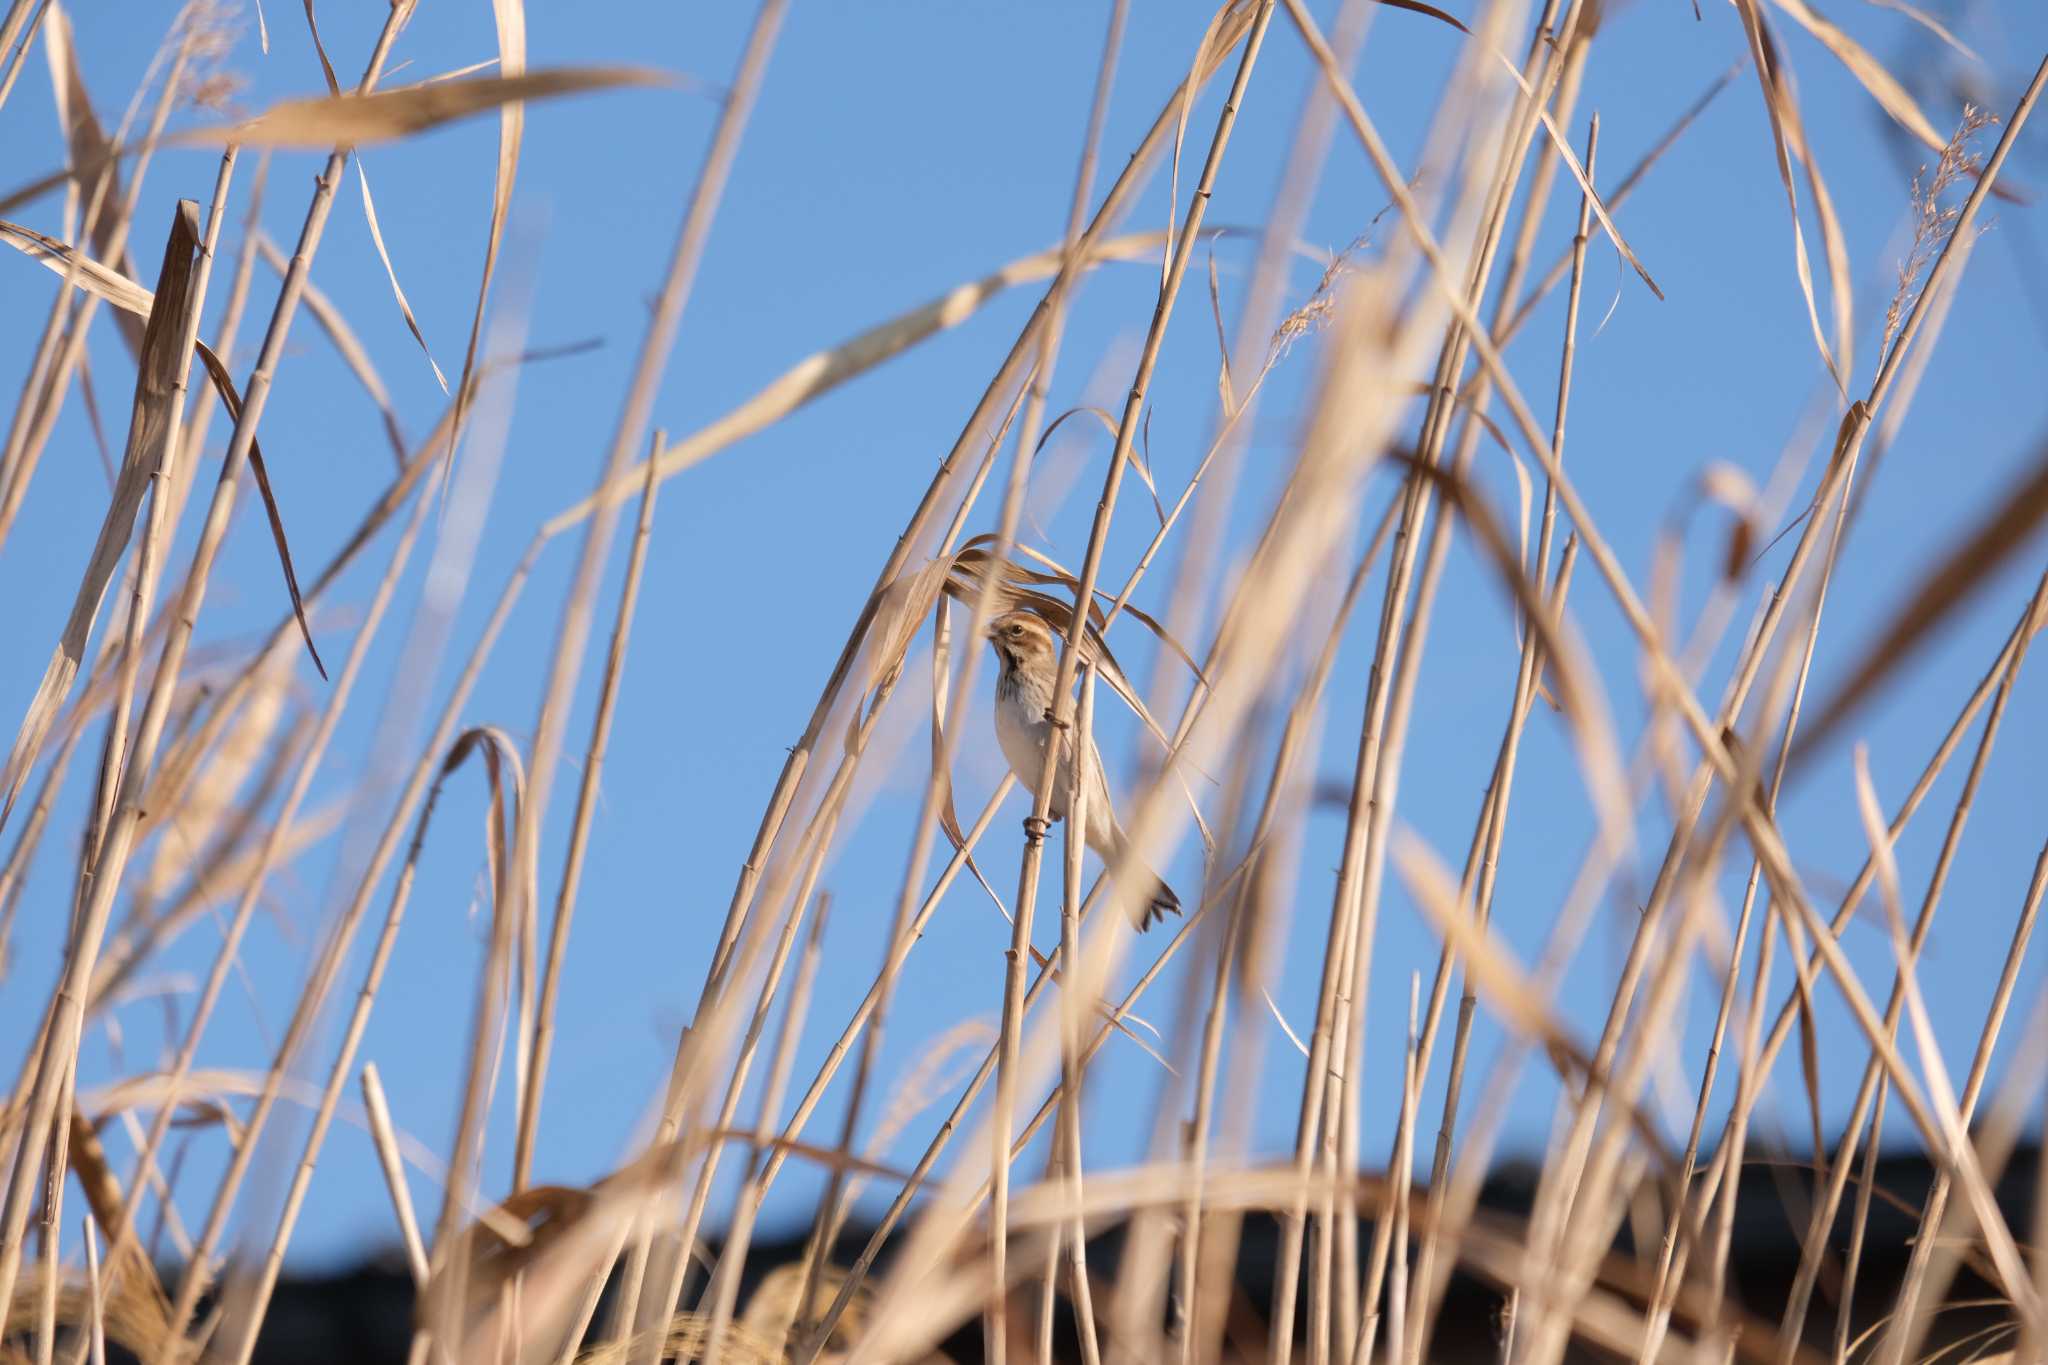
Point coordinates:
[[899, 149]]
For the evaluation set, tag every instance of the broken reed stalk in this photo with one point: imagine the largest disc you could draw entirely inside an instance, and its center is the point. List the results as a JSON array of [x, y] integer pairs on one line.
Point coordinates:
[[384, 1134]]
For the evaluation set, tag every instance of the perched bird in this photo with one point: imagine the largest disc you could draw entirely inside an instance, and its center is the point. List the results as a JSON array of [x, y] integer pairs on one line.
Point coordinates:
[[1029, 659]]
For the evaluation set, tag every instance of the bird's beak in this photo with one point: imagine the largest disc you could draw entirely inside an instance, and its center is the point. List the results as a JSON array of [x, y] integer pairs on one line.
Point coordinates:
[[988, 632]]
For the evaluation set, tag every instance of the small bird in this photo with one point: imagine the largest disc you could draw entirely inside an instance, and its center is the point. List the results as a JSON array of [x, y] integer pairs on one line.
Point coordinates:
[[1029, 657]]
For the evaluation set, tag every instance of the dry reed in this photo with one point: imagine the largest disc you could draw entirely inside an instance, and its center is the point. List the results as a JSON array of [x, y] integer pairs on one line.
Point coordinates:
[[1417, 368]]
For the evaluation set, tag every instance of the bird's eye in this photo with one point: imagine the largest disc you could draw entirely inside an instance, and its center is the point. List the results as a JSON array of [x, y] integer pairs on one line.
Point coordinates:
[[1016, 630]]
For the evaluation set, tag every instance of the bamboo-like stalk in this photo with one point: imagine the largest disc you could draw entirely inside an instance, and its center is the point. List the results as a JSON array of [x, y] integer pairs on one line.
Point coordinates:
[[257, 1300], [725, 1280], [1493, 820], [1597, 1202], [1068, 1139], [228, 955], [579, 830], [1846, 1155], [1859, 1229], [937, 1146], [1404, 1174], [1465, 1186], [1048, 1293], [1028, 435], [781, 801], [1424, 308], [1022, 353], [1552, 74], [705, 1039], [1034, 396], [335, 951], [1826, 1207], [1911, 1313], [1326, 1131], [56, 1057], [1061, 716], [96, 1337], [11, 29], [1769, 846], [112, 861], [1857, 427], [1478, 880], [784, 796], [1758, 1057], [1186, 1307], [935, 1149], [51, 1221], [1209, 1265], [658, 1310]]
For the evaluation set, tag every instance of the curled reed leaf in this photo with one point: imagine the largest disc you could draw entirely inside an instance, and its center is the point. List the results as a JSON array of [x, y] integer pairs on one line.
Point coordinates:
[[128, 295]]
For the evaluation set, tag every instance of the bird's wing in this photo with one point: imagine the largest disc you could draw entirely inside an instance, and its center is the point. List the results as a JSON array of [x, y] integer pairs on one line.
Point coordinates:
[[1105, 836]]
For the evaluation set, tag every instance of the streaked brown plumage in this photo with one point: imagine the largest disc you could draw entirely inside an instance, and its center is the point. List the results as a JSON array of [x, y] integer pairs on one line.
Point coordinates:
[[1029, 659]]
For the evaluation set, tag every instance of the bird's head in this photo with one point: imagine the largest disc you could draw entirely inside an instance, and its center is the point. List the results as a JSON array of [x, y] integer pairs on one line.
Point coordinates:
[[1024, 641]]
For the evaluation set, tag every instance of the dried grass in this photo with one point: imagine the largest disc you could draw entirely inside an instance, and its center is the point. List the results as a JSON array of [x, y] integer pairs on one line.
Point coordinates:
[[1422, 306]]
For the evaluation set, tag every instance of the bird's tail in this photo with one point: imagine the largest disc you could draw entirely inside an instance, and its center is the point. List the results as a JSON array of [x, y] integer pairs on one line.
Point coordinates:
[[1159, 902], [1162, 903]]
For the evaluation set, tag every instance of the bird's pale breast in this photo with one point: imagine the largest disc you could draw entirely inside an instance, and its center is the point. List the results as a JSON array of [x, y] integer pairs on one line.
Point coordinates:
[[1021, 728]]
